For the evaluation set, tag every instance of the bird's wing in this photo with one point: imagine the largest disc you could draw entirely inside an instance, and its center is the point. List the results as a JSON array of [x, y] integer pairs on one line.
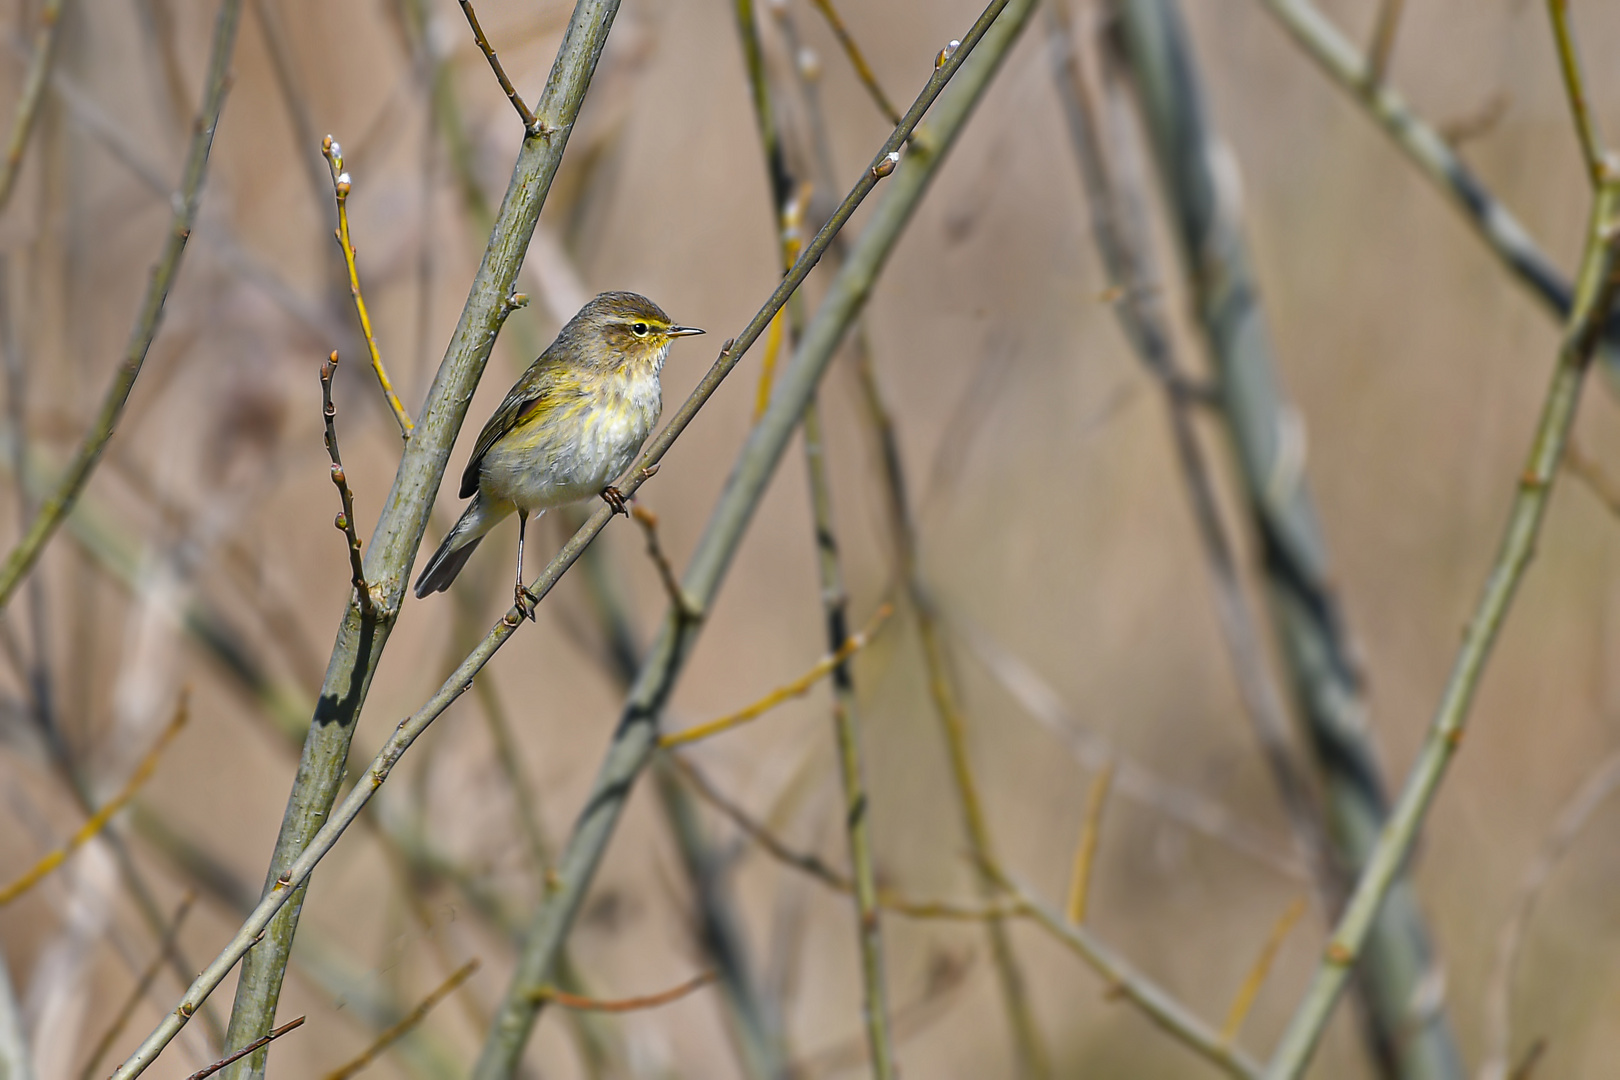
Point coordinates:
[[530, 393]]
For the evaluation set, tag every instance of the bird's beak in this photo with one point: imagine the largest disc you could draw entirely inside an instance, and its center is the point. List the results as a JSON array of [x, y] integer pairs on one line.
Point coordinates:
[[682, 331]]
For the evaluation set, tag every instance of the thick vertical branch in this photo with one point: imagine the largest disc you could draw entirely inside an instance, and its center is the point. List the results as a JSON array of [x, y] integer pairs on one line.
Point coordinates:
[[1407, 1030], [635, 738]]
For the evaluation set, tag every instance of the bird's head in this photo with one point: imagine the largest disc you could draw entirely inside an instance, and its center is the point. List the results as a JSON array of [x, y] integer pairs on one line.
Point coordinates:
[[623, 329]]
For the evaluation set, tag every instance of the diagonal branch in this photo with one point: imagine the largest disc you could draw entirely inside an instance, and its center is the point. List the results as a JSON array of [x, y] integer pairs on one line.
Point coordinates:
[[531, 126], [33, 92]]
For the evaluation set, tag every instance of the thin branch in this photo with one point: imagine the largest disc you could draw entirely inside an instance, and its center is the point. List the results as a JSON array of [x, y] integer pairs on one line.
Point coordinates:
[[409, 1021], [345, 518], [1589, 471], [33, 91], [554, 996], [1243, 1002], [827, 665], [857, 60], [1085, 852], [1124, 981], [1593, 296], [531, 125], [55, 508], [100, 819], [1572, 818], [256, 1044], [397, 539], [340, 186], [814, 866], [1569, 65]]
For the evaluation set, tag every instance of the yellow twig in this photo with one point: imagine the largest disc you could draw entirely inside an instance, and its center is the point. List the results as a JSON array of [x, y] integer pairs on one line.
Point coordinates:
[[445, 989], [340, 184], [98, 820], [863, 70], [792, 239], [797, 688], [1257, 974], [1086, 852], [552, 995]]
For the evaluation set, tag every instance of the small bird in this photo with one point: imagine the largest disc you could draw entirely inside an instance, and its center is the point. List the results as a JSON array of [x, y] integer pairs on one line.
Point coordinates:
[[569, 427]]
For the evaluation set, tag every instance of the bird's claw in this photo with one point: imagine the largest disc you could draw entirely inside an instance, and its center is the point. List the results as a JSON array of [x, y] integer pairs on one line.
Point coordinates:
[[525, 606], [615, 499]]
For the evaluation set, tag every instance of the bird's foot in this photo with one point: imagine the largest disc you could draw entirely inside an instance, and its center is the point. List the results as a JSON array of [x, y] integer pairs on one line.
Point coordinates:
[[525, 606], [615, 499]]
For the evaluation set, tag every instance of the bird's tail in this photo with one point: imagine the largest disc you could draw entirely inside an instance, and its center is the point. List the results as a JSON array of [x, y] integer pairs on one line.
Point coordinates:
[[458, 546]]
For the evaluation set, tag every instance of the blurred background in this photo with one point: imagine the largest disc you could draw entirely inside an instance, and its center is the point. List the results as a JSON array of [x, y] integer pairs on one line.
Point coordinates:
[[1054, 534]]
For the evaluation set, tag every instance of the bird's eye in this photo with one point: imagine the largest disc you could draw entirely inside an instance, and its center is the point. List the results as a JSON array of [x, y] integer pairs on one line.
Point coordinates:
[[639, 329]]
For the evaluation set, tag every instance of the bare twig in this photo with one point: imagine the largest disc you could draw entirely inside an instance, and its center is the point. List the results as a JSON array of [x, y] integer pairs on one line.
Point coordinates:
[[1243, 1002], [186, 200], [666, 573], [1593, 294], [797, 688], [345, 518], [1167, 1013], [857, 59], [27, 110], [531, 125], [1085, 853], [409, 1021], [1569, 65], [814, 866], [340, 186], [623, 1005], [99, 820], [256, 1044], [1589, 471], [1572, 818]]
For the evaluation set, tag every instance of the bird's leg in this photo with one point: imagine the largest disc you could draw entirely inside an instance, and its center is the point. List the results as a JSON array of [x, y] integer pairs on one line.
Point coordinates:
[[615, 499], [520, 596]]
